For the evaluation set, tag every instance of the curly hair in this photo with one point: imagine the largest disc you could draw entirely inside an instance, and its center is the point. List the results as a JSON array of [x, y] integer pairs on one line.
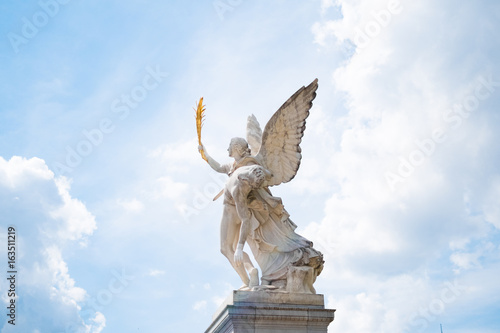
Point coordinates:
[[253, 174], [241, 146], [258, 176]]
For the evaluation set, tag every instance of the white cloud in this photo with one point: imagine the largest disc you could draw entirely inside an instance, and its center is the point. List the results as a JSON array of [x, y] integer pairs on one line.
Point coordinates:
[[491, 203], [217, 300], [200, 305], [399, 86], [47, 220], [168, 188], [318, 138], [322, 31], [63, 286], [325, 4], [176, 156], [98, 323], [78, 221], [15, 173], [465, 260], [131, 205], [156, 272]]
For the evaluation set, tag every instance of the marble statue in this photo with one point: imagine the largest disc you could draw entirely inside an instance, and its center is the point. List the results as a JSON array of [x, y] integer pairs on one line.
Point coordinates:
[[252, 215]]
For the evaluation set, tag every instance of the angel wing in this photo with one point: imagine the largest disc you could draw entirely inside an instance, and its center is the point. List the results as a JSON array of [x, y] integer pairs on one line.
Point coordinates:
[[280, 152], [254, 134]]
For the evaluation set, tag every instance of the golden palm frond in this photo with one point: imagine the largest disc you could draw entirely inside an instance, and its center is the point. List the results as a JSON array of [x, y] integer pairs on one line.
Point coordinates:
[[200, 118]]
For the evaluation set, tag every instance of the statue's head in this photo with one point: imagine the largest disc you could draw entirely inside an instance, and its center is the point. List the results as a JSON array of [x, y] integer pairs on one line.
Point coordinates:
[[254, 175], [240, 146], [257, 177]]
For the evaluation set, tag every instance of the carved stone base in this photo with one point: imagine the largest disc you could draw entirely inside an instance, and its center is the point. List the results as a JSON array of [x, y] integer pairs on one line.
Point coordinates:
[[300, 280], [271, 312]]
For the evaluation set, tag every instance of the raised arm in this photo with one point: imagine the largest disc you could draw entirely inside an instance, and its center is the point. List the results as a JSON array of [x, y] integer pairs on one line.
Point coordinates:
[[213, 163]]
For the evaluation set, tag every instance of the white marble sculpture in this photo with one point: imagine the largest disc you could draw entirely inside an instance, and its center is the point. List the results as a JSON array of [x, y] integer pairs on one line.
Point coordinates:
[[252, 215]]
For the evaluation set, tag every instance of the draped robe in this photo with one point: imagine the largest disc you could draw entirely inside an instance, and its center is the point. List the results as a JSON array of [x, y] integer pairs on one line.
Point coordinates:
[[273, 241]]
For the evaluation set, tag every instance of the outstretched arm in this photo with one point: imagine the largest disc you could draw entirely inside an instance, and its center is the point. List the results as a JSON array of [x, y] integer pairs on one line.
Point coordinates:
[[213, 163]]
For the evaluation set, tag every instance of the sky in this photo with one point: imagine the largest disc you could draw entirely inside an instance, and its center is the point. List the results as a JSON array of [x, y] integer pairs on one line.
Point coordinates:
[[111, 203]]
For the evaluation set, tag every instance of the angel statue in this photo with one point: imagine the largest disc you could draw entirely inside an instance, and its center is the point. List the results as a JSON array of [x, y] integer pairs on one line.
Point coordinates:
[[252, 215]]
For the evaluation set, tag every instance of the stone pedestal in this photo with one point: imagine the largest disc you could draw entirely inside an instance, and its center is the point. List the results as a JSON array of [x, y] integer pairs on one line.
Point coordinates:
[[271, 312]]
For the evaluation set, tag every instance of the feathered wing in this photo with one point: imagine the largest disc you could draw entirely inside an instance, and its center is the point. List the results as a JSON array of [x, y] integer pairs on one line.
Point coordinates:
[[280, 152], [254, 134]]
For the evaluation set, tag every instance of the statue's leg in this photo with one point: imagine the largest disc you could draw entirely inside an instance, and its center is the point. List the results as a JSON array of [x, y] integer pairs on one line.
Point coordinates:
[[230, 227]]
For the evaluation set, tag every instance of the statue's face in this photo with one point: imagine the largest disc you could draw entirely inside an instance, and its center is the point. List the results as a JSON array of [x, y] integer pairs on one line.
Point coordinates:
[[235, 148]]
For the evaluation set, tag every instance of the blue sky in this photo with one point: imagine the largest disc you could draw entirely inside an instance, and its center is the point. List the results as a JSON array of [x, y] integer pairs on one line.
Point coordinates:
[[399, 185]]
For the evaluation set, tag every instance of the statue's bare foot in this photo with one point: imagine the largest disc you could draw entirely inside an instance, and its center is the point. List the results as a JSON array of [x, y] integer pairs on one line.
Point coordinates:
[[244, 287], [254, 277]]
